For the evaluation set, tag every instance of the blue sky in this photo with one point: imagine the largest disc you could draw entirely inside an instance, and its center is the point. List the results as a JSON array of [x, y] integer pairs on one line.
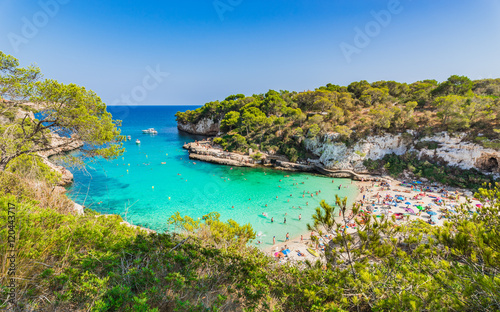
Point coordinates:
[[211, 49]]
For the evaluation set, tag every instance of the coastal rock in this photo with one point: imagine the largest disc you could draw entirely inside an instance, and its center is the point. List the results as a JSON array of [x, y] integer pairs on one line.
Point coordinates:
[[338, 156], [453, 150], [289, 166], [204, 151], [206, 126], [78, 209], [60, 145], [66, 175], [465, 155]]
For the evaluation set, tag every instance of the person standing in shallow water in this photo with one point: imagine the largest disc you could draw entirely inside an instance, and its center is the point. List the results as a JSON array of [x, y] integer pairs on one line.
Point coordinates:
[[300, 217], [284, 221], [272, 219], [287, 237], [274, 240]]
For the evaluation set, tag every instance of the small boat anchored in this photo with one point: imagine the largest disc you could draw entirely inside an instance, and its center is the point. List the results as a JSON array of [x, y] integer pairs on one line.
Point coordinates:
[[150, 131], [137, 141]]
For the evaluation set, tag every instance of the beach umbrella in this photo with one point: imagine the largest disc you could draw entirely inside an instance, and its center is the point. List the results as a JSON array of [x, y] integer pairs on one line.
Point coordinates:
[[420, 207], [435, 219], [286, 251], [479, 205], [432, 213], [410, 210], [407, 203]]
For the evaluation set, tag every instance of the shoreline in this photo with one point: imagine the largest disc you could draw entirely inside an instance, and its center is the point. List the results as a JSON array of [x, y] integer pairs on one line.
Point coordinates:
[[296, 244], [204, 150], [379, 199]]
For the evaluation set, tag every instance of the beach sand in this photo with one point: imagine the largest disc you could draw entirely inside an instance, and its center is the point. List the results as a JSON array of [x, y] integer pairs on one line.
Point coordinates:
[[374, 195]]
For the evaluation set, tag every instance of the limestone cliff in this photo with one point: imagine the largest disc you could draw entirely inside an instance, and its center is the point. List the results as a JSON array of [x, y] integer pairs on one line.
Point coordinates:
[[205, 126], [455, 151]]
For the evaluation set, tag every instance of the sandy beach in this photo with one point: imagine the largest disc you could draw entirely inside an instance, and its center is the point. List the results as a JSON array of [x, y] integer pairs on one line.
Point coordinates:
[[415, 199]]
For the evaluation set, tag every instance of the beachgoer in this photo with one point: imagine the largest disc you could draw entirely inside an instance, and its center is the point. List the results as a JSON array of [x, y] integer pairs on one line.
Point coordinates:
[[301, 238], [287, 237], [300, 217], [284, 221], [274, 240], [272, 219]]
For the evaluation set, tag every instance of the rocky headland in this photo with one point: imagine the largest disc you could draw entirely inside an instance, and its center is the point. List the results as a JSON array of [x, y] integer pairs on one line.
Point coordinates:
[[338, 159]]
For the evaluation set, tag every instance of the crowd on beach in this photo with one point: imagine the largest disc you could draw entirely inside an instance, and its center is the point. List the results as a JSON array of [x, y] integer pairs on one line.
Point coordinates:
[[406, 200]]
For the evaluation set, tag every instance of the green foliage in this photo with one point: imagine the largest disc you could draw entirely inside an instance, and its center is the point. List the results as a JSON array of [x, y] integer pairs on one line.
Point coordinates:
[[230, 120], [32, 167], [257, 156], [494, 144], [459, 85], [281, 121], [94, 263], [67, 110]]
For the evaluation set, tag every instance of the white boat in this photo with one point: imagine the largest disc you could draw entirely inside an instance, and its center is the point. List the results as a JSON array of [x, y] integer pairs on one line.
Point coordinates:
[[137, 141], [150, 131]]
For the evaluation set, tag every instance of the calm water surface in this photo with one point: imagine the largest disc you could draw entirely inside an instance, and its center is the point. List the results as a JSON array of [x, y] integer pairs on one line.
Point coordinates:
[[146, 192]]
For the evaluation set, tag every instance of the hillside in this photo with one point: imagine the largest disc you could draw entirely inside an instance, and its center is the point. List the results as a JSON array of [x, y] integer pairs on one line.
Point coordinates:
[[454, 123]]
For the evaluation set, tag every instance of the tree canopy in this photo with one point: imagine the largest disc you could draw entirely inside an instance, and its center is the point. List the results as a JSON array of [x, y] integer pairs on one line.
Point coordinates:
[[68, 110], [354, 112]]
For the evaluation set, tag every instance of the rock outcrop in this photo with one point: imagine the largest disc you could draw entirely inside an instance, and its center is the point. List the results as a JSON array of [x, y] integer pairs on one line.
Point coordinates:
[[60, 145], [452, 150], [206, 126], [204, 151]]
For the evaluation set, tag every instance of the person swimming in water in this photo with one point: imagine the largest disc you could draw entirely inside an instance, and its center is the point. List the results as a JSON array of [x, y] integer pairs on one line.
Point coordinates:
[[272, 219]]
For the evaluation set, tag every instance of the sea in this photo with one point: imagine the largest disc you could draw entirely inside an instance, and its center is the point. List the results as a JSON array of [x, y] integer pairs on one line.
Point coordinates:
[[155, 179]]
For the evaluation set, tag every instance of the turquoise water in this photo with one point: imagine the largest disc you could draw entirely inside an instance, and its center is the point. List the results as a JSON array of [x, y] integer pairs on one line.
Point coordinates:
[[146, 192]]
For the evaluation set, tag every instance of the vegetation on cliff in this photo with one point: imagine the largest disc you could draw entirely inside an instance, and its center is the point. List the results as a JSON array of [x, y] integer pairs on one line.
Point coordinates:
[[280, 121]]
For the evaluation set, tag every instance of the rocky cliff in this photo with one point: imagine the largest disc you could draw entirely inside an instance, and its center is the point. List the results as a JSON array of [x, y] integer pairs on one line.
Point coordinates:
[[206, 126], [61, 145], [454, 150]]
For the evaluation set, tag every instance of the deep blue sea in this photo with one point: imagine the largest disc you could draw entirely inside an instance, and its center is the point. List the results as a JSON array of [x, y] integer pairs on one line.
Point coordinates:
[[146, 192]]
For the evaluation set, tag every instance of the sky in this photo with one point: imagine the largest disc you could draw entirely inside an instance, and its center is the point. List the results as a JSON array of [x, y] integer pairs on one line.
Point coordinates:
[[193, 52]]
